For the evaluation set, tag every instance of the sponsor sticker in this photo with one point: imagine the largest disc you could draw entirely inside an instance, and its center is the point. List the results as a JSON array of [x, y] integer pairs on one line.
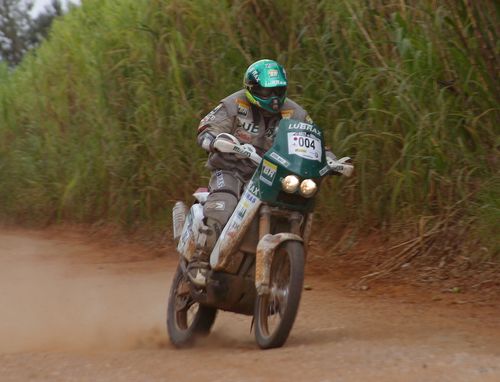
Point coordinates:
[[272, 73], [255, 74], [242, 103], [246, 203], [268, 172], [211, 116], [324, 170], [279, 159], [242, 151], [304, 126], [234, 227], [286, 114], [270, 132], [242, 110], [253, 189], [216, 205], [219, 179], [248, 126], [241, 213], [250, 197], [277, 83], [304, 145], [242, 107]]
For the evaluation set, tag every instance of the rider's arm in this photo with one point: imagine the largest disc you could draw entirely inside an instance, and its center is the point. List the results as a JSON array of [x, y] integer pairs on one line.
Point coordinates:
[[216, 122]]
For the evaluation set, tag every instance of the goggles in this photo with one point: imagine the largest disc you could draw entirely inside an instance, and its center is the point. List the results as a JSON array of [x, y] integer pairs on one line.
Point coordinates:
[[265, 93]]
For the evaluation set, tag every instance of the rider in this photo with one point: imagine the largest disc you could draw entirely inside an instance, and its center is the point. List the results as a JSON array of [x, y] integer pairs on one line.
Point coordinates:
[[251, 115]]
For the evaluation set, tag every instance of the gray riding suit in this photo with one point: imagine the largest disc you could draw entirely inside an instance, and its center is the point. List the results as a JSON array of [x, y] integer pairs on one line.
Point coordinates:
[[249, 124]]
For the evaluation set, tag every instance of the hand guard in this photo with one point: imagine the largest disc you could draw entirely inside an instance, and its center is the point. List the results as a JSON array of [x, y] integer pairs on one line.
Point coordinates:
[[223, 137], [226, 144], [342, 166]]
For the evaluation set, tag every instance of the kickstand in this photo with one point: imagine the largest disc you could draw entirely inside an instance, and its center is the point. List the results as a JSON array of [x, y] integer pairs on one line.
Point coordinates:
[[251, 324]]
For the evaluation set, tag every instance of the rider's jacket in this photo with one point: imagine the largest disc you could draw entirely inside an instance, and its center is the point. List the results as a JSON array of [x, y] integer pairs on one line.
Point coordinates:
[[237, 116]]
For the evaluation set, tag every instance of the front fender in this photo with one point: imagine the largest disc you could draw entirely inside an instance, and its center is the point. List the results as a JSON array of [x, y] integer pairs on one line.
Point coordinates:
[[264, 258]]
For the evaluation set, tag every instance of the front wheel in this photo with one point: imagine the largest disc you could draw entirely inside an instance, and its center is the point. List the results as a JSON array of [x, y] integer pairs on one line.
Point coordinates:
[[275, 312], [186, 319]]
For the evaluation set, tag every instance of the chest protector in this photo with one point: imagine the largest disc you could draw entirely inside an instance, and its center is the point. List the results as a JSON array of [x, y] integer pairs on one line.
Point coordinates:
[[250, 125]]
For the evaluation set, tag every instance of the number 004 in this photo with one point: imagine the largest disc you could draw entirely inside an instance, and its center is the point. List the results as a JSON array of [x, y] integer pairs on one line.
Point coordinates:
[[306, 142]]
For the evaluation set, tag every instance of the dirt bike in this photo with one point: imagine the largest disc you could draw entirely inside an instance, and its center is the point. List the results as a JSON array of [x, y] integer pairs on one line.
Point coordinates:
[[257, 264]]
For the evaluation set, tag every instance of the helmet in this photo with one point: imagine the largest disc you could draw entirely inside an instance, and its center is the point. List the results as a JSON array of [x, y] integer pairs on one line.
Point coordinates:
[[265, 83]]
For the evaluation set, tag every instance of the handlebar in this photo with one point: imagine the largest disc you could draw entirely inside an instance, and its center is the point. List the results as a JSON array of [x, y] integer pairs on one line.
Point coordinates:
[[226, 143]]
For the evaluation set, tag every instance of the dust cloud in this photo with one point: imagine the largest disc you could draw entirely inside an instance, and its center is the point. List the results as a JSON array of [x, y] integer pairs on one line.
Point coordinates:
[[50, 301]]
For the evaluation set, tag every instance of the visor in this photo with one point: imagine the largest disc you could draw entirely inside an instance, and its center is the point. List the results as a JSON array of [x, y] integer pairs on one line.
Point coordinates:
[[266, 93]]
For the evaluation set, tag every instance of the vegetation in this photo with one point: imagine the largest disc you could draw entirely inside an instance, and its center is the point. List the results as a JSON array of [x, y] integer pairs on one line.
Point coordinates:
[[20, 31], [99, 123]]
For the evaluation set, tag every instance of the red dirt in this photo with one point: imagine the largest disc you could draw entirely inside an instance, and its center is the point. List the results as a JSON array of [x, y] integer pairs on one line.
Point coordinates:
[[79, 309]]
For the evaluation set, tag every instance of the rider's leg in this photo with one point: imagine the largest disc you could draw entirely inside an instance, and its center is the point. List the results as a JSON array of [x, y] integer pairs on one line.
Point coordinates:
[[225, 189]]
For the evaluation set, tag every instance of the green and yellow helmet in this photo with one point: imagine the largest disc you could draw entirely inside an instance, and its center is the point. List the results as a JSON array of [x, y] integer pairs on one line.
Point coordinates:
[[265, 83]]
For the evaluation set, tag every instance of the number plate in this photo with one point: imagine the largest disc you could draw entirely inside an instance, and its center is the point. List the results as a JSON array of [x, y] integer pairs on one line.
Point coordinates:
[[305, 145]]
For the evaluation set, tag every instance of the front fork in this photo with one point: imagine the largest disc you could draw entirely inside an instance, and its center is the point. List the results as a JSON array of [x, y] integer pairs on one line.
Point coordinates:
[[295, 218], [268, 243]]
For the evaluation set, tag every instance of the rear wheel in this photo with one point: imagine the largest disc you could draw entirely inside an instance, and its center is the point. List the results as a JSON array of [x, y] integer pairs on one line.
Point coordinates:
[[186, 318], [275, 312]]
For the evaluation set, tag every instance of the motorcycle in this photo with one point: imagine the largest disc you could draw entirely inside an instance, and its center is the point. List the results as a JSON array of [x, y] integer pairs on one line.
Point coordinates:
[[257, 264]]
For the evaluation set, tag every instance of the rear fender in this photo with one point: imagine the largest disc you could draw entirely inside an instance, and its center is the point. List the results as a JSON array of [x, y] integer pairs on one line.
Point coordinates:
[[264, 258]]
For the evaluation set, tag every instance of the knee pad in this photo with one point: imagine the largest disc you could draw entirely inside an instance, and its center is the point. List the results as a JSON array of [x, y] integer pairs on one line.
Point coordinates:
[[217, 210]]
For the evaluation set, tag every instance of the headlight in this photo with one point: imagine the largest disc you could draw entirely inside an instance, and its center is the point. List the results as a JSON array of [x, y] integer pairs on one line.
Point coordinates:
[[308, 188], [290, 183]]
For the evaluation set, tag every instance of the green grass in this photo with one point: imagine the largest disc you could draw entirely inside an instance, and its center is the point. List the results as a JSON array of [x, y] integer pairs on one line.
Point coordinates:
[[99, 123]]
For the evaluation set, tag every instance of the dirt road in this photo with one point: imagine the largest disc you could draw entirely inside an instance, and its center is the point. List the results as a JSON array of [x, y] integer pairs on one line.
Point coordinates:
[[73, 310]]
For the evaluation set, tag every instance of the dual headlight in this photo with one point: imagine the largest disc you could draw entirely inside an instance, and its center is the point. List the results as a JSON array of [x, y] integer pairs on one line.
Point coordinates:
[[307, 187]]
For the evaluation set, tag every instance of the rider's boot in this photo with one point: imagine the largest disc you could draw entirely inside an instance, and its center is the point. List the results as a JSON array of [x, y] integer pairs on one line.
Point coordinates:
[[199, 266]]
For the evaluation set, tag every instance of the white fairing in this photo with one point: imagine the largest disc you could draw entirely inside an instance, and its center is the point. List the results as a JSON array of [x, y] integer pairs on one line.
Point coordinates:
[[191, 231], [236, 227], [201, 196]]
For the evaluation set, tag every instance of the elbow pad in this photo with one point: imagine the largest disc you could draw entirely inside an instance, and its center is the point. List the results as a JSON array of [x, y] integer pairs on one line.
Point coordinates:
[[205, 141]]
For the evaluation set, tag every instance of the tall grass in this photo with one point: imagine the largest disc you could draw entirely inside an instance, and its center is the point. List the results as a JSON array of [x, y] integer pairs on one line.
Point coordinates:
[[99, 123]]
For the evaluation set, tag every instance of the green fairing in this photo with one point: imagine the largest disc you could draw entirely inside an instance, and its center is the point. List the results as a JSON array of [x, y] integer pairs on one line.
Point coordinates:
[[287, 163]]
